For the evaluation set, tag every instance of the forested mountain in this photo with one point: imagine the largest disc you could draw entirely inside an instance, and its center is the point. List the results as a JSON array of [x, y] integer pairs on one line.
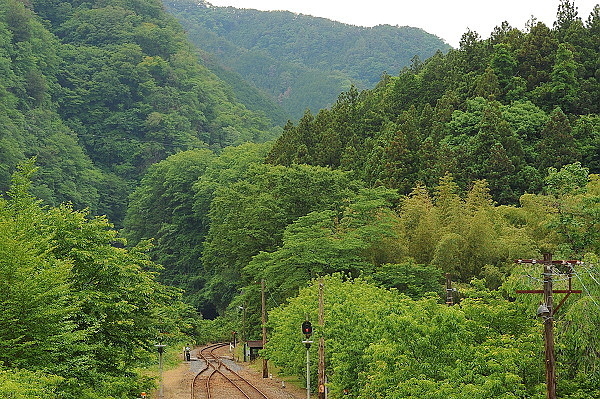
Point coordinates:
[[99, 91], [460, 164], [504, 109], [301, 61]]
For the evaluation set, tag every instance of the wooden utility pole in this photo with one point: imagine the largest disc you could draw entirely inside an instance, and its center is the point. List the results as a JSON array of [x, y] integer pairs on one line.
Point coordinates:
[[547, 310], [549, 330], [265, 368], [321, 370]]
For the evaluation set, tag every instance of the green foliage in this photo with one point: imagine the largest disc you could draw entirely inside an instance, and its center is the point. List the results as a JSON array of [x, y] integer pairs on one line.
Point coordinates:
[[461, 236], [250, 215], [23, 384], [171, 207], [161, 208], [74, 302], [380, 344], [34, 295], [353, 243], [570, 179], [98, 91], [29, 59], [408, 278], [566, 219], [503, 109], [292, 58]]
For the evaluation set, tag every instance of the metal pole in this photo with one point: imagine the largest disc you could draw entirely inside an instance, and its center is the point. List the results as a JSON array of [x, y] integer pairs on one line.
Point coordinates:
[[307, 371], [549, 330], [161, 349], [161, 393], [307, 331]]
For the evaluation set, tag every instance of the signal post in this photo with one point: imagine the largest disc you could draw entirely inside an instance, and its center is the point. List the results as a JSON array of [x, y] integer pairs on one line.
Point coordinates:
[[307, 331]]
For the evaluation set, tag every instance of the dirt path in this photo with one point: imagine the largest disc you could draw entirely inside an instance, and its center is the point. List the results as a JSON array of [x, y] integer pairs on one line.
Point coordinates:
[[177, 382]]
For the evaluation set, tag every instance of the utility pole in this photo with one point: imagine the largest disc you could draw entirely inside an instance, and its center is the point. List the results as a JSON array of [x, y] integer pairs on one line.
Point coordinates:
[[546, 311], [243, 333], [321, 373], [265, 368], [549, 330], [307, 343]]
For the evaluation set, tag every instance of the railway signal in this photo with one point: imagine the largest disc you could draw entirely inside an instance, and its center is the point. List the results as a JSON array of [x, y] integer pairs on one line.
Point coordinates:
[[307, 329]]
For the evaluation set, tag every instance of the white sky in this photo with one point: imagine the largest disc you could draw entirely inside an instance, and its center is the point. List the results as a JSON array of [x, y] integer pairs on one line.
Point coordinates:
[[448, 19]]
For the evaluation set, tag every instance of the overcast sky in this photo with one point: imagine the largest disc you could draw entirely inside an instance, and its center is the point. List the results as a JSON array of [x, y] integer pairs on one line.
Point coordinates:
[[448, 19]]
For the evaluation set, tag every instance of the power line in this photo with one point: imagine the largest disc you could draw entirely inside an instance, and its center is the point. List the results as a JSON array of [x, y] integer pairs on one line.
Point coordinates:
[[272, 298], [587, 291]]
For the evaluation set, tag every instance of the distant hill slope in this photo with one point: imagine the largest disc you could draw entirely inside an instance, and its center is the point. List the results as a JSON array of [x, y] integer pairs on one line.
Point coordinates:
[[99, 90], [245, 92], [301, 61]]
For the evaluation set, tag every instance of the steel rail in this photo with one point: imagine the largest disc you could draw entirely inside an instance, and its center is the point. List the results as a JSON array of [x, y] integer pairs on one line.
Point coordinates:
[[207, 359], [208, 355], [217, 371], [245, 381]]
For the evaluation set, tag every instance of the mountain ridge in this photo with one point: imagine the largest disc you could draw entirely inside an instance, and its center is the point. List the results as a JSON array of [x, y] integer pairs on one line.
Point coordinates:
[[301, 61]]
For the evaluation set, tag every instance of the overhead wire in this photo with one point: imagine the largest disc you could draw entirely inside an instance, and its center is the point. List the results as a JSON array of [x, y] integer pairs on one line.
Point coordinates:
[[272, 298], [587, 291], [593, 278], [588, 268]]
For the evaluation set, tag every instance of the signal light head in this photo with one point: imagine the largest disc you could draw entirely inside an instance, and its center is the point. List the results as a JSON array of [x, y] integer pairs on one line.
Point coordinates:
[[307, 328]]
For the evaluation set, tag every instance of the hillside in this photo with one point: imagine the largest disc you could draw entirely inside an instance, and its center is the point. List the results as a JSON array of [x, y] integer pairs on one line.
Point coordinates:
[[497, 116], [440, 175], [504, 109], [98, 91], [301, 61]]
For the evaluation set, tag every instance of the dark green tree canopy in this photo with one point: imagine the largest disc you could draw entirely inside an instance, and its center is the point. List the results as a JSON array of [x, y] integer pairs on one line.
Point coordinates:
[[503, 109], [99, 91], [302, 62]]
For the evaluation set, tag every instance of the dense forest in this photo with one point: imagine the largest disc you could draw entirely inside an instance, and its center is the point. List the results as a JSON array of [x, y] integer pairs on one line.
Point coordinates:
[[503, 109], [98, 92], [459, 164], [302, 62], [93, 93]]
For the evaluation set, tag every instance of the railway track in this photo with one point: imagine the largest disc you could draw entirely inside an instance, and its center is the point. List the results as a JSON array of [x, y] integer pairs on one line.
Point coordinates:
[[217, 381]]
